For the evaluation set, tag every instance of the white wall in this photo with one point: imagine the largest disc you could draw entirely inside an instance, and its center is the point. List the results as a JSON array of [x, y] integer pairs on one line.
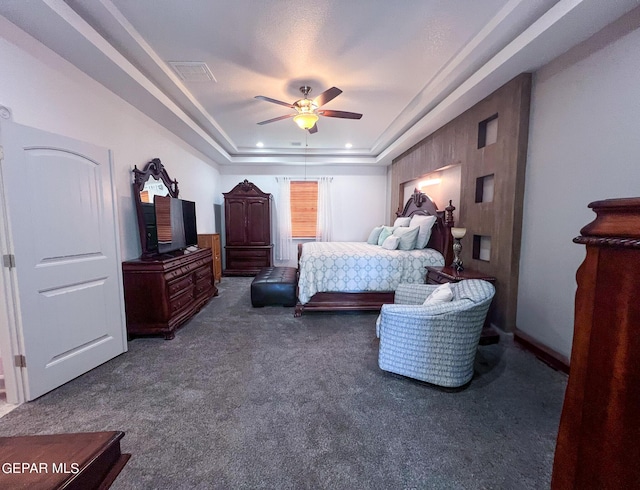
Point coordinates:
[[358, 195], [46, 92], [584, 145]]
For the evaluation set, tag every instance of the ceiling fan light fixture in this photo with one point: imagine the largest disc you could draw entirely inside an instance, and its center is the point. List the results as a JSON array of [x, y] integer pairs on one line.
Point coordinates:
[[306, 120]]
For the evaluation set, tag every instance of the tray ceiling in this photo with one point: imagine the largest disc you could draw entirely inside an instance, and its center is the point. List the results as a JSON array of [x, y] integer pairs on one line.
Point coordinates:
[[407, 66]]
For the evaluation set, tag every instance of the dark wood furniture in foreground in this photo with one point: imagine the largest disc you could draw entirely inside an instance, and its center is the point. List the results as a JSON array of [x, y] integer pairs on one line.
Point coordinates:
[[441, 240], [247, 218], [84, 461], [164, 291], [440, 275], [600, 425], [212, 241]]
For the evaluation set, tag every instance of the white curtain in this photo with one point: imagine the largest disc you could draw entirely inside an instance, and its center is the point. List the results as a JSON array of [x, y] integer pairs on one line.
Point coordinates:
[[323, 225], [284, 241]]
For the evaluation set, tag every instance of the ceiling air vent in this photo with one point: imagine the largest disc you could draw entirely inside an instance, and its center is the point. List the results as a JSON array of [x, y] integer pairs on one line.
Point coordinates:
[[296, 143], [193, 71]]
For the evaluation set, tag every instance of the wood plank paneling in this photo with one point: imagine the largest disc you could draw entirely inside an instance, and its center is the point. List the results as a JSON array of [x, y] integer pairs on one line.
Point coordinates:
[[501, 219]]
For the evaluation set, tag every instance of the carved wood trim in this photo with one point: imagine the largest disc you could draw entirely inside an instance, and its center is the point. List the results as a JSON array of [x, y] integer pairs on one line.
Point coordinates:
[[608, 241], [154, 169]]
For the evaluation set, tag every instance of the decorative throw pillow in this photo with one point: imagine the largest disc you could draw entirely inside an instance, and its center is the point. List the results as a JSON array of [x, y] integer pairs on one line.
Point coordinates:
[[441, 294], [374, 235], [402, 221], [408, 237], [387, 231], [425, 223], [391, 242]]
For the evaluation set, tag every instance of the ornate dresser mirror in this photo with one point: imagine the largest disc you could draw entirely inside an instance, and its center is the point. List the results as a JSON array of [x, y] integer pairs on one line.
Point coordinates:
[[149, 182]]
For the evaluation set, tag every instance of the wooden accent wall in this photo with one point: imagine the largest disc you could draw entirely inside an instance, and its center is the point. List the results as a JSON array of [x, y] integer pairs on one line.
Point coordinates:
[[501, 219]]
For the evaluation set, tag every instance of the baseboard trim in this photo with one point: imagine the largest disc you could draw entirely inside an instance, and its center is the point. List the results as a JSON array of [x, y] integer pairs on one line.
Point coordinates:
[[547, 355]]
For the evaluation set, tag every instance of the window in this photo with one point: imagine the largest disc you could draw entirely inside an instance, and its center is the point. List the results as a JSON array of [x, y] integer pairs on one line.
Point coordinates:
[[304, 208]]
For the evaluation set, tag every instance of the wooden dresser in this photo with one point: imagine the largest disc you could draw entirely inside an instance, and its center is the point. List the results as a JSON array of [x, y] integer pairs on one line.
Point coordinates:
[[80, 461], [163, 292], [212, 241], [247, 213], [598, 439]]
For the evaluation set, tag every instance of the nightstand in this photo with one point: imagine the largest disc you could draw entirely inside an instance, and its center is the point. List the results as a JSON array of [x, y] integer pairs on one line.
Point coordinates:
[[440, 275]]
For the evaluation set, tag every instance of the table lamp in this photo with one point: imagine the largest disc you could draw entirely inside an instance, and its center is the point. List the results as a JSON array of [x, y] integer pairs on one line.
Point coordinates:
[[457, 233]]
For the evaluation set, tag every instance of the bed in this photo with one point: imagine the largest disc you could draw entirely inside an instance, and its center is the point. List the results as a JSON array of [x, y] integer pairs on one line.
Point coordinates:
[[337, 276]]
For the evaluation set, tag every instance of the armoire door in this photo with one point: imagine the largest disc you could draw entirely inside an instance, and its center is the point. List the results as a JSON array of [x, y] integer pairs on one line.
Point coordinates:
[[258, 220], [236, 221], [60, 205]]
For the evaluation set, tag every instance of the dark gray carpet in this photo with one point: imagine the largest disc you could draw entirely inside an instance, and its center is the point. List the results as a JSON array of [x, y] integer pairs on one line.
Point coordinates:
[[255, 398]]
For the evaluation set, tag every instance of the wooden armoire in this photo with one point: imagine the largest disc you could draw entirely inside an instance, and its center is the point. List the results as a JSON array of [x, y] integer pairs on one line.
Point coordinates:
[[247, 217]]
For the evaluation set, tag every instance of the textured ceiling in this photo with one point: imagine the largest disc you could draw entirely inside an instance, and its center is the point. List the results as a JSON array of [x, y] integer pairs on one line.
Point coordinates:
[[407, 66]]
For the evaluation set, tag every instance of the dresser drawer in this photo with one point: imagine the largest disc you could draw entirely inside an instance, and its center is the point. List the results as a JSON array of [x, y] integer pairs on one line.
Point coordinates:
[[181, 301], [177, 286], [203, 287], [204, 272]]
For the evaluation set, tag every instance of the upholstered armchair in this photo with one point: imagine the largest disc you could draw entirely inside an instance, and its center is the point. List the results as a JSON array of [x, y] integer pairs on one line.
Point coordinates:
[[434, 343]]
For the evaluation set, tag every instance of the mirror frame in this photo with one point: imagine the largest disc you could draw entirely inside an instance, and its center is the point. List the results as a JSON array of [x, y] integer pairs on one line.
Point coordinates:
[[154, 169]]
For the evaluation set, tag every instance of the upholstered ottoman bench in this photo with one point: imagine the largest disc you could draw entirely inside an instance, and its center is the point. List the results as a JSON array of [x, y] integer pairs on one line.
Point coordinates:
[[274, 286]]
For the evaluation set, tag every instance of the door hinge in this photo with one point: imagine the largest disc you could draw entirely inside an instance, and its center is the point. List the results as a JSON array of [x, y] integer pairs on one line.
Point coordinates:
[[1, 153], [9, 261], [21, 361]]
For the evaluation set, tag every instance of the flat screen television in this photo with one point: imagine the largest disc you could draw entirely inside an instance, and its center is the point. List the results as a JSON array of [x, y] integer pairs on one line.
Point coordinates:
[[175, 224]]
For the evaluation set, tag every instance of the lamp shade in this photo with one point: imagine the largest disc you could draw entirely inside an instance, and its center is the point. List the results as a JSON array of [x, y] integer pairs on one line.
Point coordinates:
[[306, 120], [458, 232]]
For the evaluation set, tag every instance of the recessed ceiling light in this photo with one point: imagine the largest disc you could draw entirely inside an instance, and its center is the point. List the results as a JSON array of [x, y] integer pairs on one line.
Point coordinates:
[[348, 145], [259, 144]]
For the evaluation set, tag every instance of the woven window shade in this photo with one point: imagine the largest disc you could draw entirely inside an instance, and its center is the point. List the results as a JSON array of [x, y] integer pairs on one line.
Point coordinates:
[[163, 219], [304, 208]]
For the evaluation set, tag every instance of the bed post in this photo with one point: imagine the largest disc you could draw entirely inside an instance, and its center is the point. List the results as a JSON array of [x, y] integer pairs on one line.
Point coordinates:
[[448, 243]]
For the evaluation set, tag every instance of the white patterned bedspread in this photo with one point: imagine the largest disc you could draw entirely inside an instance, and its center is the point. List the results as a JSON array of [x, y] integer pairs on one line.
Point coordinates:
[[358, 266]]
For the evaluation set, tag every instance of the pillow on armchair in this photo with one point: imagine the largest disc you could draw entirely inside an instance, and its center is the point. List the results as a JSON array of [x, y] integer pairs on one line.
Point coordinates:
[[441, 294]]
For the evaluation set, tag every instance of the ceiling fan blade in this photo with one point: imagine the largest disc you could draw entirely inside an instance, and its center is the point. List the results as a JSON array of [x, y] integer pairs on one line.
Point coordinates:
[[342, 114], [326, 96], [274, 101], [276, 119], [314, 129]]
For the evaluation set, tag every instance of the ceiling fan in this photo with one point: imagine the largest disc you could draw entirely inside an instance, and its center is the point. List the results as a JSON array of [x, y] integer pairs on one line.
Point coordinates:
[[308, 110]]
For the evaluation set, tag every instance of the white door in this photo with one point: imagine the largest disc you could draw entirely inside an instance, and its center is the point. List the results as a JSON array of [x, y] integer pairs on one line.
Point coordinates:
[[59, 199]]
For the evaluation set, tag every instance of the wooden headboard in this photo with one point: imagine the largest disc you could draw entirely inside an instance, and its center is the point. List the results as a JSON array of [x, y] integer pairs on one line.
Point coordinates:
[[420, 203]]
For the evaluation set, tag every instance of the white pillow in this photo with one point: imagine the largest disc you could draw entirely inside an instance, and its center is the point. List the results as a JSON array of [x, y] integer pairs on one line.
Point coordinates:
[[425, 223], [374, 235], [408, 237], [441, 294], [391, 242], [402, 221]]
